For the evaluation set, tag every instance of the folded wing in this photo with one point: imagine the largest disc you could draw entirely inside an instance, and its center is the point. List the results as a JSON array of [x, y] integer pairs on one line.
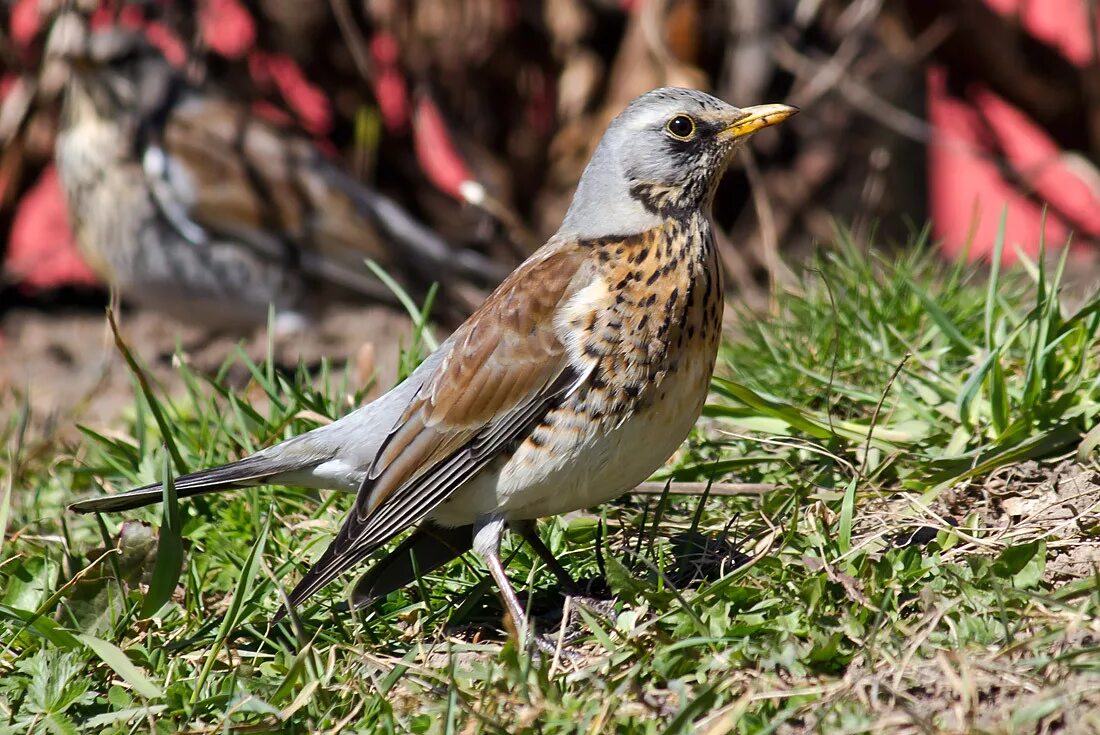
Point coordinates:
[[505, 367], [218, 170]]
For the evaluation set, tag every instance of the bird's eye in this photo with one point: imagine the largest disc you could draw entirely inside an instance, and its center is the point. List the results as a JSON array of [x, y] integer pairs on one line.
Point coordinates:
[[681, 127]]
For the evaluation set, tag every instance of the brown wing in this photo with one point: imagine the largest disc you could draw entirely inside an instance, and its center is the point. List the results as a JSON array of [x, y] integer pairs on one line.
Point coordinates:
[[504, 369], [252, 177], [242, 177]]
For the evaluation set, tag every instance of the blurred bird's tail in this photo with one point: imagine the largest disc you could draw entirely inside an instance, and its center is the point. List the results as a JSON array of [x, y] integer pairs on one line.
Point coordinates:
[[254, 470], [418, 244]]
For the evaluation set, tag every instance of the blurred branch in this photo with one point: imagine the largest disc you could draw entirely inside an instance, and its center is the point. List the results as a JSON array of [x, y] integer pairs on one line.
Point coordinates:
[[357, 45], [778, 271], [855, 91]]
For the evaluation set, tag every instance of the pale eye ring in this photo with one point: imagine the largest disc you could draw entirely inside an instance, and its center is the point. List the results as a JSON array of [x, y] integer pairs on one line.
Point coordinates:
[[681, 127]]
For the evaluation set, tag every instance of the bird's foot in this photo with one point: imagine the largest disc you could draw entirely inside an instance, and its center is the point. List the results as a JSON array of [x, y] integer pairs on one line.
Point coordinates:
[[556, 647], [601, 608], [559, 644]]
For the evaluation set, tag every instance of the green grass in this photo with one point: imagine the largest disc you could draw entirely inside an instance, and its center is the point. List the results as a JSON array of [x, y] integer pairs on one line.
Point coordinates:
[[880, 400]]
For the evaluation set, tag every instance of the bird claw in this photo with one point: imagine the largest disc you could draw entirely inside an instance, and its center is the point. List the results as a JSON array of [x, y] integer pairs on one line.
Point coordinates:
[[603, 608], [557, 645], [548, 645]]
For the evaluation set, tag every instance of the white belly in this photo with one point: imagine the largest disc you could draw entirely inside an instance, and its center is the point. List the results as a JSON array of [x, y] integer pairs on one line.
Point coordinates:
[[583, 469]]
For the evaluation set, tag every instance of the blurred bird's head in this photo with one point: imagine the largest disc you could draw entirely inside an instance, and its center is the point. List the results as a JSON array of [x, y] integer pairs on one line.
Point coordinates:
[[113, 73], [663, 156]]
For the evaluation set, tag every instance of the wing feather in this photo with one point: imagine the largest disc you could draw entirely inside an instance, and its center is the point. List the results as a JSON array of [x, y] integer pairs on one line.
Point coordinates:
[[505, 368], [234, 175]]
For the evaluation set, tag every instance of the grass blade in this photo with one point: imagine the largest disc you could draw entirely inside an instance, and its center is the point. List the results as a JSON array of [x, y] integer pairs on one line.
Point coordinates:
[[406, 301], [150, 396], [169, 563], [233, 614], [994, 278], [114, 657]]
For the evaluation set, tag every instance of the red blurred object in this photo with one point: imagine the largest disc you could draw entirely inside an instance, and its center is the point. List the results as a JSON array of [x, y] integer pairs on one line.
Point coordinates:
[[25, 22], [308, 102], [435, 150], [41, 253], [227, 27], [130, 16], [389, 86], [968, 187], [168, 42], [127, 16]]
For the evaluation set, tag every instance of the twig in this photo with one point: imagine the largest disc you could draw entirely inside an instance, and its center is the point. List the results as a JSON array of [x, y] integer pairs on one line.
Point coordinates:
[[566, 611], [878, 408], [778, 273], [356, 43], [722, 489]]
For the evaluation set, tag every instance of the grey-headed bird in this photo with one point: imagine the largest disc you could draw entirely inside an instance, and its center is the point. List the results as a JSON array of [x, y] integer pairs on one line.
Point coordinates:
[[186, 202], [575, 380]]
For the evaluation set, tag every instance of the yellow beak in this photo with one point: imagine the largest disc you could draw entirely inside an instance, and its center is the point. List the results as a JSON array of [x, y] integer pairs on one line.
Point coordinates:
[[756, 118]]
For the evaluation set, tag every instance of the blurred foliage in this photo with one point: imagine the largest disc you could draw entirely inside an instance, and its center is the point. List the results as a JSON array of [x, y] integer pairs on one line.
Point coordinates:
[[418, 97]]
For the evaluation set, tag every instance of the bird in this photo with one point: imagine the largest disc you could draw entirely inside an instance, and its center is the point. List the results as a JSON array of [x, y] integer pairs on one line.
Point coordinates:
[[185, 201], [576, 379]]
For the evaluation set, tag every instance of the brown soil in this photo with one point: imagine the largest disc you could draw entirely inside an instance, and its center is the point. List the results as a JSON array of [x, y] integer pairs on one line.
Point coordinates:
[[65, 365]]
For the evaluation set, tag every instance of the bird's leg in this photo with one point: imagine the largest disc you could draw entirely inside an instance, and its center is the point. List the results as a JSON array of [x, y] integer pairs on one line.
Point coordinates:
[[529, 532], [487, 535]]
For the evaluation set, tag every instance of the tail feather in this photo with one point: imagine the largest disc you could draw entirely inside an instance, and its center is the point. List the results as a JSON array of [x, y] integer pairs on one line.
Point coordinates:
[[243, 473], [431, 545], [333, 563]]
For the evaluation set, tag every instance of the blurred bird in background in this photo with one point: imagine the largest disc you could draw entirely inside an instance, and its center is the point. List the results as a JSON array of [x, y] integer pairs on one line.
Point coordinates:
[[186, 202]]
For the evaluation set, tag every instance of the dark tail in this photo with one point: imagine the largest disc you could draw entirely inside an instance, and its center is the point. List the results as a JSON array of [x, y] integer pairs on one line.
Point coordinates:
[[244, 473], [432, 545]]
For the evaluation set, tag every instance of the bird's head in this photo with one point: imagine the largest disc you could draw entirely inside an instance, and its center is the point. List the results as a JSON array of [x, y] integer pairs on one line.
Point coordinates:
[[662, 156], [112, 73]]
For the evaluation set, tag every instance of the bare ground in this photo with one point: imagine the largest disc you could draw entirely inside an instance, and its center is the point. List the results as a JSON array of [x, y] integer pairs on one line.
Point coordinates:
[[1002, 689], [63, 362]]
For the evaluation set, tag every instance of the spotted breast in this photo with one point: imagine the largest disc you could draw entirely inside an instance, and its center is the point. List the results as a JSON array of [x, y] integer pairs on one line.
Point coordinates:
[[645, 330]]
